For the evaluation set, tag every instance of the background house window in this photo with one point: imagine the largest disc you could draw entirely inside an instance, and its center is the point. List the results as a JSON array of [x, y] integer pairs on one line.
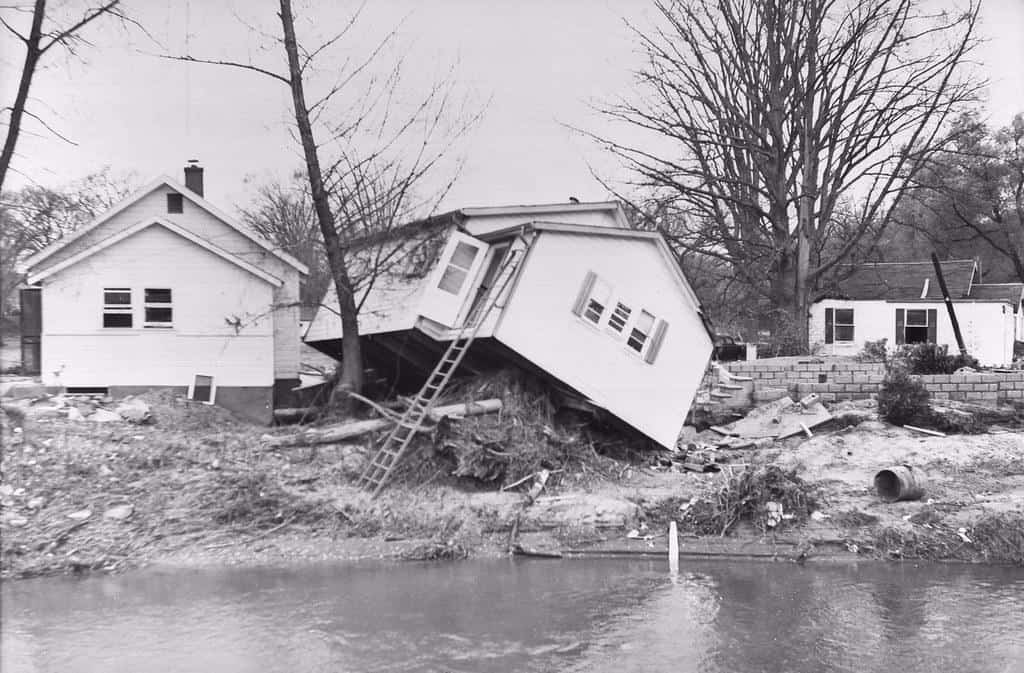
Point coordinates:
[[458, 268], [175, 203], [117, 307], [916, 331], [838, 325], [158, 308], [619, 317], [641, 331], [844, 324]]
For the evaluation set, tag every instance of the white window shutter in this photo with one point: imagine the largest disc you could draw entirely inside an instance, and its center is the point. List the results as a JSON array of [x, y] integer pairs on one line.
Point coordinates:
[[656, 338], [581, 298]]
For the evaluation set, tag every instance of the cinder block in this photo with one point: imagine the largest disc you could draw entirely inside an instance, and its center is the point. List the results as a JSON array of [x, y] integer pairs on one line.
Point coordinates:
[[1014, 394], [828, 397], [941, 396], [973, 378], [965, 387]]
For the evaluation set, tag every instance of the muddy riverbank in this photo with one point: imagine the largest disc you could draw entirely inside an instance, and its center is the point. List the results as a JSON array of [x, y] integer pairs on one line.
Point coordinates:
[[199, 488]]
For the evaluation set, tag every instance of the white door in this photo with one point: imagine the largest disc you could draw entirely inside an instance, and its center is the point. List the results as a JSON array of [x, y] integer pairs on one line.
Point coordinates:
[[451, 282]]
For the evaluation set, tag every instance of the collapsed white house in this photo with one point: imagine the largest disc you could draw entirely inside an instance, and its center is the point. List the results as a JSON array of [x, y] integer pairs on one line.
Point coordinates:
[[603, 311]]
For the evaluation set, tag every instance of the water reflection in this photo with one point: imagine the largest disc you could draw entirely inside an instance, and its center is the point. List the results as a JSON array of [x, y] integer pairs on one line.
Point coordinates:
[[597, 615]]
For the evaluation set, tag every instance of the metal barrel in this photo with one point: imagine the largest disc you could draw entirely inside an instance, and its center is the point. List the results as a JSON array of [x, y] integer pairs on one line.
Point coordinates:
[[901, 482]]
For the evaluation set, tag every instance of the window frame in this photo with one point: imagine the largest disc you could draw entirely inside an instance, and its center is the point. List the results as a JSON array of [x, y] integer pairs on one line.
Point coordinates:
[[453, 269], [192, 388], [599, 287], [117, 308], [617, 304], [175, 203], [630, 337], [147, 304], [920, 329], [836, 325]]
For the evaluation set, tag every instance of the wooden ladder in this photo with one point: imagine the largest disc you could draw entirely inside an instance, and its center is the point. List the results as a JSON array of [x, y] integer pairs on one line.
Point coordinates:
[[377, 473]]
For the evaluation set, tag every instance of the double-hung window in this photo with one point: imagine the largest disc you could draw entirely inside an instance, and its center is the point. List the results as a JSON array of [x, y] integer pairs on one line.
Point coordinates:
[[619, 317], [596, 303], [117, 307], [641, 331], [838, 325], [158, 309], [917, 326]]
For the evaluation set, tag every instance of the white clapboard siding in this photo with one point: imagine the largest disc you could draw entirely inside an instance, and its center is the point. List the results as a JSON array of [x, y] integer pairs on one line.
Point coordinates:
[[539, 324], [208, 226], [208, 293]]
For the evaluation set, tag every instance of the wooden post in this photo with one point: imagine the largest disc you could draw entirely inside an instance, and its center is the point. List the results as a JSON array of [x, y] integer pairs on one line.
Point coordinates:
[[949, 305], [673, 548]]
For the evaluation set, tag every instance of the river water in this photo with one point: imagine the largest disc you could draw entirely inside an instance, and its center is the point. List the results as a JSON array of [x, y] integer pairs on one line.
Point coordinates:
[[601, 615]]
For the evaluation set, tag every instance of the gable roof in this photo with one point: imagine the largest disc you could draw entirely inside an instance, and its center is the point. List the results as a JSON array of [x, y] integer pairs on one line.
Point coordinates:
[[188, 194], [652, 237], [903, 281], [145, 224], [1011, 293]]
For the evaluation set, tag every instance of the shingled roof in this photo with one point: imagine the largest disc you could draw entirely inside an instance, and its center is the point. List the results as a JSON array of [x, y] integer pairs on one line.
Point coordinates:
[[903, 281], [1011, 293]]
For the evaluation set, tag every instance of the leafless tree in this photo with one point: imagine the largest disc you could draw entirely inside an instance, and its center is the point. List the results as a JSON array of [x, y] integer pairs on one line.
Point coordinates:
[[354, 188], [757, 118], [60, 27], [969, 199]]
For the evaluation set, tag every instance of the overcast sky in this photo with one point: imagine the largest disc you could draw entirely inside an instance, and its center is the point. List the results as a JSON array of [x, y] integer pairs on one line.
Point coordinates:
[[536, 64]]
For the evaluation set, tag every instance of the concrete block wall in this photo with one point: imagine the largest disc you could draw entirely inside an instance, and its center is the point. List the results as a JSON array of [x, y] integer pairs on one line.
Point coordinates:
[[837, 380]]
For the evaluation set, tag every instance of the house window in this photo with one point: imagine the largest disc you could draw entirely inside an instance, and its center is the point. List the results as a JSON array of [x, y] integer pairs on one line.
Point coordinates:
[[597, 301], [838, 325], [457, 271], [619, 317], [175, 203], [844, 325], [117, 307], [641, 331], [202, 389], [916, 331], [158, 308]]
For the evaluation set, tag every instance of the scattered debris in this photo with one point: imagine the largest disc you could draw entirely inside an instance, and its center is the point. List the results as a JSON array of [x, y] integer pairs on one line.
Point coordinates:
[[780, 419], [135, 411], [119, 512], [925, 431], [104, 416]]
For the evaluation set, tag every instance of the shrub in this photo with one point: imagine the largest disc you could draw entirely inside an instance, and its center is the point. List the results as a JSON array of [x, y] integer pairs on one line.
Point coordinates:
[[902, 398], [932, 359], [873, 351]]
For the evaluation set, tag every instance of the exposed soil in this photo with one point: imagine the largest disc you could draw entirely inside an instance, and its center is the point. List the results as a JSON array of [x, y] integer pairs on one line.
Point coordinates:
[[199, 487]]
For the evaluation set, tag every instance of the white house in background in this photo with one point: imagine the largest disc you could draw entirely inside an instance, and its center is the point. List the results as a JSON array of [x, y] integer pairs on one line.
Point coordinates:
[[902, 302], [602, 310], [165, 291]]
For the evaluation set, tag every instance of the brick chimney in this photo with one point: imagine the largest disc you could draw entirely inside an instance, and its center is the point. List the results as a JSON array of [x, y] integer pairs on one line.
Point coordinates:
[[194, 176]]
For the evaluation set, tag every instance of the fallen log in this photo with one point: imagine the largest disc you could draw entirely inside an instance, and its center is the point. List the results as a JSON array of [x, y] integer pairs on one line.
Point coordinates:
[[339, 433], [286, 415]]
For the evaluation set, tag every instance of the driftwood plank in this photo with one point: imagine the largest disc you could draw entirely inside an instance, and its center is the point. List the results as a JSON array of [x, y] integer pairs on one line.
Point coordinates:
[[344, 431]]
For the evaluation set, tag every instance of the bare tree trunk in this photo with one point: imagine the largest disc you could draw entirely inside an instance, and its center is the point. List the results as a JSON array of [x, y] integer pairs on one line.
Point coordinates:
[[352, 359], [32, 54]]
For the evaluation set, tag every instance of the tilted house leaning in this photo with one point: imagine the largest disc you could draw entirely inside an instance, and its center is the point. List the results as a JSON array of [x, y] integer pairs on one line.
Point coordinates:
[[602, 310]]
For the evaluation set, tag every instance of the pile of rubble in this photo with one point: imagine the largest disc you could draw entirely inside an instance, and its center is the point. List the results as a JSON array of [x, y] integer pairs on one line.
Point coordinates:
[[94, 408]]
